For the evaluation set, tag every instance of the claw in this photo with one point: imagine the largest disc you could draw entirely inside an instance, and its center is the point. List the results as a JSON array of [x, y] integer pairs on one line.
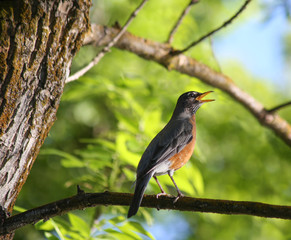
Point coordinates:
[[161, 194], [176, 198]]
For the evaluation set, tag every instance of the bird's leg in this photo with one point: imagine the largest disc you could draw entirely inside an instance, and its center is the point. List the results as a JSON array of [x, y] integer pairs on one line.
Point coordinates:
[[160, 186], [180, 194]]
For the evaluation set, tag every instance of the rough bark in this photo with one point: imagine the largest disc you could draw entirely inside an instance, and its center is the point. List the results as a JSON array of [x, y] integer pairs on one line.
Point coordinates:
[[37, 43]]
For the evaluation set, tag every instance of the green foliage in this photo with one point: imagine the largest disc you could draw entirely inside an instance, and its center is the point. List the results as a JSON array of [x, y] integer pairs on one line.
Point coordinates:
[[108, 228], [107, 118]]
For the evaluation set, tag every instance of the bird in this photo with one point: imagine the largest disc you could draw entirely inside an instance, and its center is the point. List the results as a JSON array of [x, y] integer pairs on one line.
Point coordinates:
[[170, 149]]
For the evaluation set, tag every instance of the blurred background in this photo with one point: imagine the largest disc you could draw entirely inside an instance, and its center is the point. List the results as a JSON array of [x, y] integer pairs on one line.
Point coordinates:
[[107, 118]]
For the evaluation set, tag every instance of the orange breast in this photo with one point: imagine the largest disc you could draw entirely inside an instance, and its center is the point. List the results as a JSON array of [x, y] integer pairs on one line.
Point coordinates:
[[181, 158]]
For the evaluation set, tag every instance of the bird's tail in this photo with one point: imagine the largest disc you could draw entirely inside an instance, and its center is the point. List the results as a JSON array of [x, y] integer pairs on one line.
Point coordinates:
[[140, 188]]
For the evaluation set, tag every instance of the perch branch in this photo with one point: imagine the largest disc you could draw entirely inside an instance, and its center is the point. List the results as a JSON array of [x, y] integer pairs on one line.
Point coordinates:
[[161, 53], [279, 107], [106, 49], [178, 23], [242, 8], [84, 200]]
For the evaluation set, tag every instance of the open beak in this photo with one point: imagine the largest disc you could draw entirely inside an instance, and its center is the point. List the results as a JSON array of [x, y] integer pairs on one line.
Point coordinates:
[[199, 98]]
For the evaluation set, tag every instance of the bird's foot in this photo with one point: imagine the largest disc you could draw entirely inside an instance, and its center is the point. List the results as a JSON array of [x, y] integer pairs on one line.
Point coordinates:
[[161, 194], [179, 195], [158, 195]]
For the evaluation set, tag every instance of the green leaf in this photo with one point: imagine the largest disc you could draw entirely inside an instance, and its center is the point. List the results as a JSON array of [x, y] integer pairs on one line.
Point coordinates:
[[152, 122], [57, 229], [79, 228], [79, 224], [137, 227], [50, 236], [45, 226], [124, 153], [126, 123], [19, 209], [72, 163], [189, 179], [68, 160], [147, 216], [102, 142]]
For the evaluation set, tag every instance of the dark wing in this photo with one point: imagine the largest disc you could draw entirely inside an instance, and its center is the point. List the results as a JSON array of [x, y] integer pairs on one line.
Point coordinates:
[[169, 141]]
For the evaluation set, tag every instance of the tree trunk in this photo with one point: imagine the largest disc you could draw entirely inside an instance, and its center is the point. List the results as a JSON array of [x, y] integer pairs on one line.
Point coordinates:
[[37, 43]]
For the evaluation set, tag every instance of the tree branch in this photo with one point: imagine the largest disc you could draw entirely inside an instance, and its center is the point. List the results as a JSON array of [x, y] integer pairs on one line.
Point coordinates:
[[242, 8], [106, 49], [161, 53], [85, 200], [279, 107], [178, 23]]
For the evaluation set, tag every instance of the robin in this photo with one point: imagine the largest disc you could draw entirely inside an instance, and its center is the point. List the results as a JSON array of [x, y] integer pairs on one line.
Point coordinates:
[[170, 149]]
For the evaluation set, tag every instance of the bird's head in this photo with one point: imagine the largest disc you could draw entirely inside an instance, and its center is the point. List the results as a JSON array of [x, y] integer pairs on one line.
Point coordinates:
[[189, 102]]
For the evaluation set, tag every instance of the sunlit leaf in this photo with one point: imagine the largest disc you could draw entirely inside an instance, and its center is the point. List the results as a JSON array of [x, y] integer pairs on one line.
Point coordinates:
[[19, 209], [50, 236], [44, 225], [68, 160], [121, 147], [137, 227], [78, 223], [152, 120]]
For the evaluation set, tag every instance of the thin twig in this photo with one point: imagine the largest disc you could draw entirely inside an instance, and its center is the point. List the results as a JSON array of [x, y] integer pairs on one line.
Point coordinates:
[[242, 8], [278, 107], [178, 23], [106, 49], [85, 200]]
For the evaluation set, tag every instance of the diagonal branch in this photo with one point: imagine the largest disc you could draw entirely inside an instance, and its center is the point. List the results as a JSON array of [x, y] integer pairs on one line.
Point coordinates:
[[84, 200], [178, 23], [242, 8], [161, 53], [272, 110], [106, 49]]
